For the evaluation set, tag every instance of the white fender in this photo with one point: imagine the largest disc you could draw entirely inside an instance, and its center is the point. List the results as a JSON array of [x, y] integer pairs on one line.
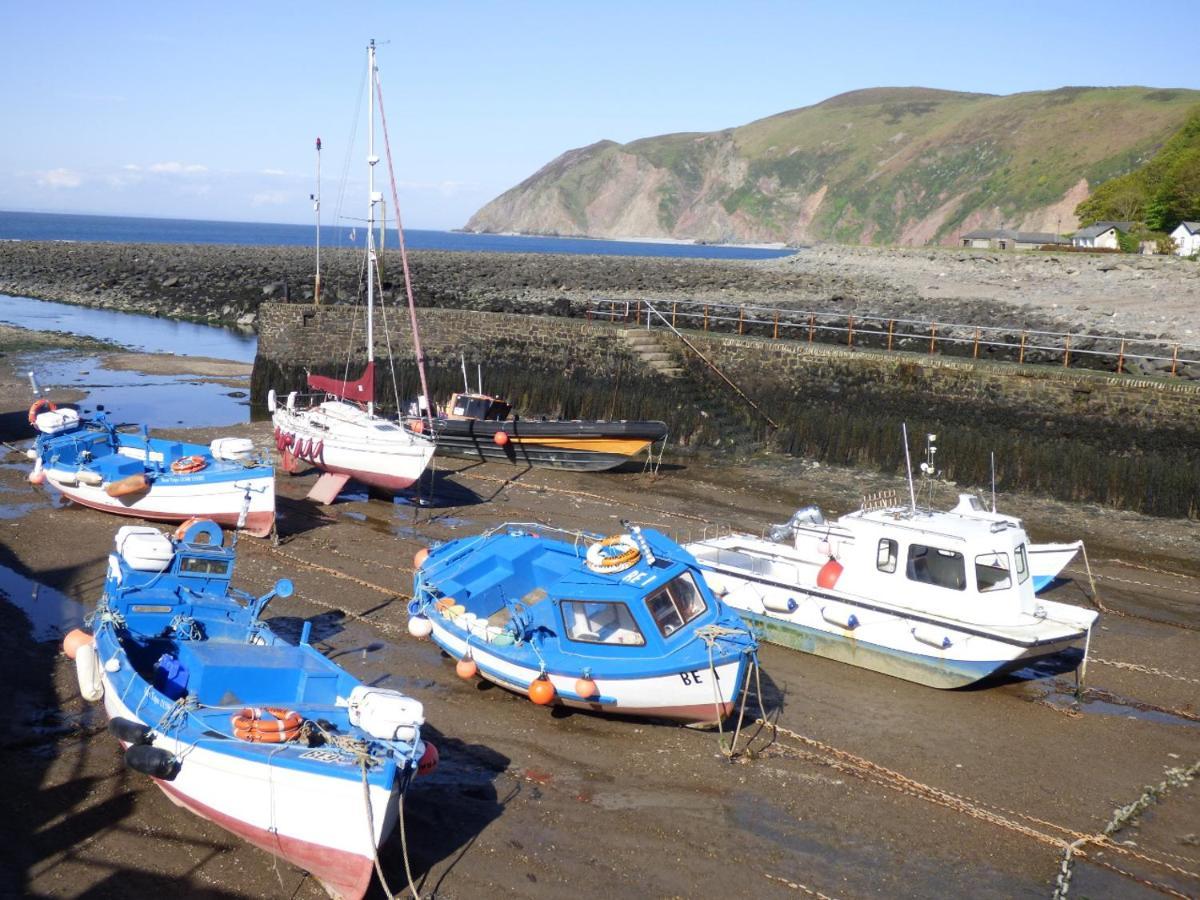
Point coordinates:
[[62, 476], [271, 402], [841, 616], [784, 605], [87, 671], [934, 637], [291, 401], [84, 476]]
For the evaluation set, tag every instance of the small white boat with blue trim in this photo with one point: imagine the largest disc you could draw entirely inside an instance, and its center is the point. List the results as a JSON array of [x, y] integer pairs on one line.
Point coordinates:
[[623, 625], [941, 598], [89, 461], [270, 740]]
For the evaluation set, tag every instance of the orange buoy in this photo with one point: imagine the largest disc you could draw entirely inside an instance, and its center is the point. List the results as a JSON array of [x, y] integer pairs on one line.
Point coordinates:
[[500, 438], [829, 574], [419, 557], [417, 426], [429, 760], [134, 484], [466, 668], [38, 475], [541, 692], [586, 688], [75, 639]]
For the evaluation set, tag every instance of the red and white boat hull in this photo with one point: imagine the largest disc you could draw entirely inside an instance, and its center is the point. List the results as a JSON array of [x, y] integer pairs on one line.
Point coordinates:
[[317, 823]]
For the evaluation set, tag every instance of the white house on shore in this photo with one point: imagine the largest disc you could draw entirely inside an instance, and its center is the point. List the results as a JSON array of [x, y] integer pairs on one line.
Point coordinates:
[[1101, 235], [1187, 238], [1010, 239]]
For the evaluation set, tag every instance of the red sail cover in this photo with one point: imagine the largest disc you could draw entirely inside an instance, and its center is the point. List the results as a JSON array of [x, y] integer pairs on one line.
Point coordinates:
[[361, 391]]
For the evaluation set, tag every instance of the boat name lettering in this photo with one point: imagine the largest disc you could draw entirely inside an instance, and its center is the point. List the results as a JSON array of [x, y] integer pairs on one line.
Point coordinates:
[[637, 577], [325, 756], [690, 678]]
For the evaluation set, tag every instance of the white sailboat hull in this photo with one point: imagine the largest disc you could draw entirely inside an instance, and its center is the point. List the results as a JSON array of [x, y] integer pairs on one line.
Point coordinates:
[[342, 438]]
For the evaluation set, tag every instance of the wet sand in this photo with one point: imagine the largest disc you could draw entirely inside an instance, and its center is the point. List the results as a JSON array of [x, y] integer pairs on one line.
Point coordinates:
[[877, 787]]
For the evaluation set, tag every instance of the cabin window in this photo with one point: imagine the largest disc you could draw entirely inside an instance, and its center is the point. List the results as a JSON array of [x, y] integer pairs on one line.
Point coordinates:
[[199, 565], [1022, 564], [675, 604], [991, 572], [932, 565], [599, 622], [886, 555]]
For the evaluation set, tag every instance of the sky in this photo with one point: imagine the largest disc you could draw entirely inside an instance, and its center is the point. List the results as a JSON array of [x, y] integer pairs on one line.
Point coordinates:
[[210, 110]]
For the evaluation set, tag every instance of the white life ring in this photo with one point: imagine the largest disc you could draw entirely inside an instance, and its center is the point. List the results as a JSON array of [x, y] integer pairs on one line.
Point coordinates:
[[613, 554]]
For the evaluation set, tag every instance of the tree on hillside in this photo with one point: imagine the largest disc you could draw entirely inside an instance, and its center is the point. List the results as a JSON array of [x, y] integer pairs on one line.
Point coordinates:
[[1162, 193], [1178, 197]]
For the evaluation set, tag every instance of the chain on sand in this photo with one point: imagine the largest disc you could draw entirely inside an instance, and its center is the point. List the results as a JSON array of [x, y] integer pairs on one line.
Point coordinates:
[[1145, 670], [1071, 842]]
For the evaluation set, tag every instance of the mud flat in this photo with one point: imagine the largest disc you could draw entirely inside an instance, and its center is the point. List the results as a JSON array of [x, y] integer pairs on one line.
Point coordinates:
[[877, 787]]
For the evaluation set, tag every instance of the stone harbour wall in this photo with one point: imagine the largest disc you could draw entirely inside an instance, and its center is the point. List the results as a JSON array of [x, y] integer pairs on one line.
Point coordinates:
[[1072, 434]]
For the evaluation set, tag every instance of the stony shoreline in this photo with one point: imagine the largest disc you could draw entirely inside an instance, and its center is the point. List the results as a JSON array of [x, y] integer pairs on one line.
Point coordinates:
[[221, 284]]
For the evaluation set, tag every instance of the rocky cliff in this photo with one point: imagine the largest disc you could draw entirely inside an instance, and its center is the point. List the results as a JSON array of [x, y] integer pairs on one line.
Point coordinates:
[[888, 165]]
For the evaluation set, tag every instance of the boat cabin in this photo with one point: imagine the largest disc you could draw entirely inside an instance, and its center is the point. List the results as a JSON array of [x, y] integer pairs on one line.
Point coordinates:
[[522, 587], [959, 566], [484, 407]]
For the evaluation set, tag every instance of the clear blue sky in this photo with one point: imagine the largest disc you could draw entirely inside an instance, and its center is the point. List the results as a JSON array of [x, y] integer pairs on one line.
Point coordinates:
[[209, 110]]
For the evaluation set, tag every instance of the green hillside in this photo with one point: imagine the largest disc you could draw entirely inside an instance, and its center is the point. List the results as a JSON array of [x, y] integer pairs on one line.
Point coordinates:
[[886, 165], [1161, 194]]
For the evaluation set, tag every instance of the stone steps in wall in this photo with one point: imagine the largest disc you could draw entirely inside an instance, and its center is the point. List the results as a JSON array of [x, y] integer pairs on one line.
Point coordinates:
[[648, 348]]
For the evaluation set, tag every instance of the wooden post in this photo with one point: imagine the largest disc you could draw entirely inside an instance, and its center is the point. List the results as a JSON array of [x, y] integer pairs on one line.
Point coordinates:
[[1021, 358], [1174, 359], [706, 317], [850, 331], [776, 335], [674, 305], [589, 312], [976, 343], [741, 316], [932, 338], [613, 312], [1067, 351], [1121, 357], [891, 328], [812, 326]]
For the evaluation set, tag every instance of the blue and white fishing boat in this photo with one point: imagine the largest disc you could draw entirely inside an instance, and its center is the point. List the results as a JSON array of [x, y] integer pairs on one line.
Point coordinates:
[[92, 463], [624, 625], [268, 739]]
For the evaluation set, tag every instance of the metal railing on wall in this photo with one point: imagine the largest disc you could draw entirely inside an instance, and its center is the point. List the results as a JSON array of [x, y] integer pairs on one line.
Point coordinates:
[[1114, 353]]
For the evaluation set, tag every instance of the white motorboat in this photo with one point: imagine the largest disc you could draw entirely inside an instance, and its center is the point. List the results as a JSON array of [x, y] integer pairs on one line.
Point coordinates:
[[341, 434], [942, 598], [934, 597]]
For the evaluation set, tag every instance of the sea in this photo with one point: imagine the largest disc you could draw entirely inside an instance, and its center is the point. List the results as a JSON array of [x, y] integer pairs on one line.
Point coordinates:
[[33, 226]]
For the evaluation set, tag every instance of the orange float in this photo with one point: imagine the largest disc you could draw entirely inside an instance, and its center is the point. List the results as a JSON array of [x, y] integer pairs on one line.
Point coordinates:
[[466, 668], [419, 557], [586, 688], [133, 484], [429, 760], [542, 692], [75, 639], [500, 438], [830, 573]]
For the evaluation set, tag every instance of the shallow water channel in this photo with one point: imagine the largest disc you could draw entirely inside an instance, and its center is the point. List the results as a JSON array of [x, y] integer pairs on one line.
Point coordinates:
[[129, 396]]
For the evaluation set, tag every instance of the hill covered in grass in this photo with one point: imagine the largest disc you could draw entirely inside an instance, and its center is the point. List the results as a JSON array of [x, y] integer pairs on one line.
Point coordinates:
[[884, 165]]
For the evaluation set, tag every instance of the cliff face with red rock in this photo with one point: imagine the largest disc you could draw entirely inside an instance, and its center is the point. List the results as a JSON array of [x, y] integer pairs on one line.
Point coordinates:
[[908, 166]]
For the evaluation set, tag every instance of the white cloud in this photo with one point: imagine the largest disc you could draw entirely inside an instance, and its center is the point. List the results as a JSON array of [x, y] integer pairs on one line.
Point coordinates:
[[131, 167], [60, 178], [272, 198], [177, 168], [273, 172]]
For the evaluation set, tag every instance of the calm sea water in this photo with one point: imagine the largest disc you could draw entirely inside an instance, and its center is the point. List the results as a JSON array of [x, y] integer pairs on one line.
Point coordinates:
[[25, 226]]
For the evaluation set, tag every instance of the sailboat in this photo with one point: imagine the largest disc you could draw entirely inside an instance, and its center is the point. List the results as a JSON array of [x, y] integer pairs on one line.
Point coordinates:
[[341, 434]]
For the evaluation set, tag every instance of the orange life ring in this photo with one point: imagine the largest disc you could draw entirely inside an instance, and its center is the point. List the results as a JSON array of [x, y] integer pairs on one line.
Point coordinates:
[[39, 406], [187, 464], [185, 525], [250, 725]]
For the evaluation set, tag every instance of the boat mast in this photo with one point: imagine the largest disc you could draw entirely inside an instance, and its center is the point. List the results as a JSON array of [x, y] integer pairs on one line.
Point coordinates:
[[372, 199], [316, 199]]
